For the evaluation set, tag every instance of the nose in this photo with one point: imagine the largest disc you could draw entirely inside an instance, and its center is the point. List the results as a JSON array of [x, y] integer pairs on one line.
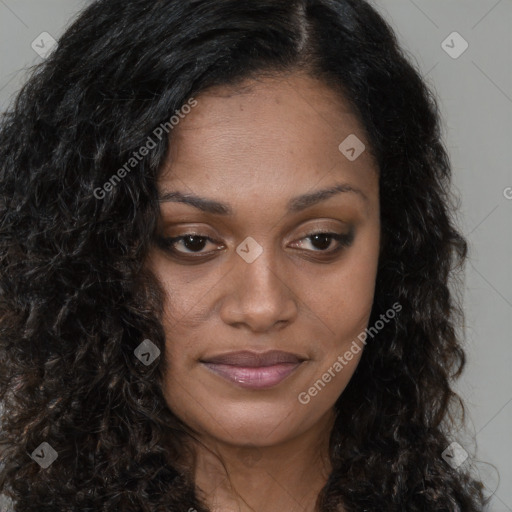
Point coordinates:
[[259, 295]]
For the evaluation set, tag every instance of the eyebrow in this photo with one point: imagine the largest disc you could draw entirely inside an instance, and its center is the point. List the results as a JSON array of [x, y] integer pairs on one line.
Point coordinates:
[[295, 205]]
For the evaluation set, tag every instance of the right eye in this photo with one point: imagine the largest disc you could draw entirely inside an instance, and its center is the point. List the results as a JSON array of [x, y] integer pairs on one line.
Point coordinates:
[[192, 242]]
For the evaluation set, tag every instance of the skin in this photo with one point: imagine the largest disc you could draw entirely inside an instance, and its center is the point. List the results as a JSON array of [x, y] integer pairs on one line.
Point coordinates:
[[255, 149]]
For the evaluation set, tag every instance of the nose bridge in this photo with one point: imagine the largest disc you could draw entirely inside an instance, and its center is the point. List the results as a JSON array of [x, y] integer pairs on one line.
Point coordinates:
[[258, 295], [260, 274]]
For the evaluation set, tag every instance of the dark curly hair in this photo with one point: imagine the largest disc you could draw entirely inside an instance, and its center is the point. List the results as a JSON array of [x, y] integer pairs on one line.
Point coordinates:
[[76, 298]]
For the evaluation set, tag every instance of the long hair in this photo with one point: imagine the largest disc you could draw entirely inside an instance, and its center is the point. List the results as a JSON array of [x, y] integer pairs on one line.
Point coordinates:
[[76, 299]]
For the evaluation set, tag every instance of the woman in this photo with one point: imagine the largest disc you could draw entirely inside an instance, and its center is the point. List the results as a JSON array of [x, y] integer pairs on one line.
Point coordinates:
[[226, 247]]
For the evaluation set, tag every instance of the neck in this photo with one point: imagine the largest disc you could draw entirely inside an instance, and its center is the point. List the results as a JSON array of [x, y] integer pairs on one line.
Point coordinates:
[[286, 476]]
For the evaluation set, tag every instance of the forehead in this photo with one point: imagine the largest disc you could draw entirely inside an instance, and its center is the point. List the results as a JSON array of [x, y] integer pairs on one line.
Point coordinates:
[[278, 132]]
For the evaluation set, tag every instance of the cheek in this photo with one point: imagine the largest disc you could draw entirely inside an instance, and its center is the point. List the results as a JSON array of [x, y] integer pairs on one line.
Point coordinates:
[[342, 299], [343, 304], [329, 382], [356, 283], [186, 291], [338, 348]]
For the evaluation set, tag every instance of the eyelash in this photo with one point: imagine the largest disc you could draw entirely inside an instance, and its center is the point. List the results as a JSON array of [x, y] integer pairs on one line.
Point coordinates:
[[344, 240]]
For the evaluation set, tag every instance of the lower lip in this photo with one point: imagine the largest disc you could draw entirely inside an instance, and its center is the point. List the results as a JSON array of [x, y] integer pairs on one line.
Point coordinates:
[[254, 378]]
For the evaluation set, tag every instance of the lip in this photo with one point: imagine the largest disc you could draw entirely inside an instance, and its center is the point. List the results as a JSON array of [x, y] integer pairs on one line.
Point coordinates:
[[254, 370]]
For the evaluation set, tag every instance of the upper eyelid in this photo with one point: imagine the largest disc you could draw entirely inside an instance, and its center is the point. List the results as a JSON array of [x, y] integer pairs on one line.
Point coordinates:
[[326, 231], [200, 231]]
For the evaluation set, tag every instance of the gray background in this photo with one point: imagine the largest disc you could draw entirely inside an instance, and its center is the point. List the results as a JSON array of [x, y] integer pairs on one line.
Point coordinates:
[[475, 95]]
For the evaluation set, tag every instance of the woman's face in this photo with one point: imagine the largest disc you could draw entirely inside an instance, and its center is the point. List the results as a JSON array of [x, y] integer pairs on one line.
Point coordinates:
[[254, 278]]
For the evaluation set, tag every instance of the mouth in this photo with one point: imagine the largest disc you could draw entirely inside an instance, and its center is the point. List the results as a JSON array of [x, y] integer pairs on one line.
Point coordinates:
[[254, 370]]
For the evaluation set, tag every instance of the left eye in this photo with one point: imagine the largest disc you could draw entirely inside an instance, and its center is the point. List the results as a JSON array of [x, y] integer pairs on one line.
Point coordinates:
[[322, 241]]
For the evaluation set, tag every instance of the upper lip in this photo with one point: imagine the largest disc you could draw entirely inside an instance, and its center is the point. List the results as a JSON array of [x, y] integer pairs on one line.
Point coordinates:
[[254, 359]]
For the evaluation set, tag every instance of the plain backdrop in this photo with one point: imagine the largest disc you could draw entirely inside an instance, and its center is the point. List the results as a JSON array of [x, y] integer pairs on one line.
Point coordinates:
[[474, 90]]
